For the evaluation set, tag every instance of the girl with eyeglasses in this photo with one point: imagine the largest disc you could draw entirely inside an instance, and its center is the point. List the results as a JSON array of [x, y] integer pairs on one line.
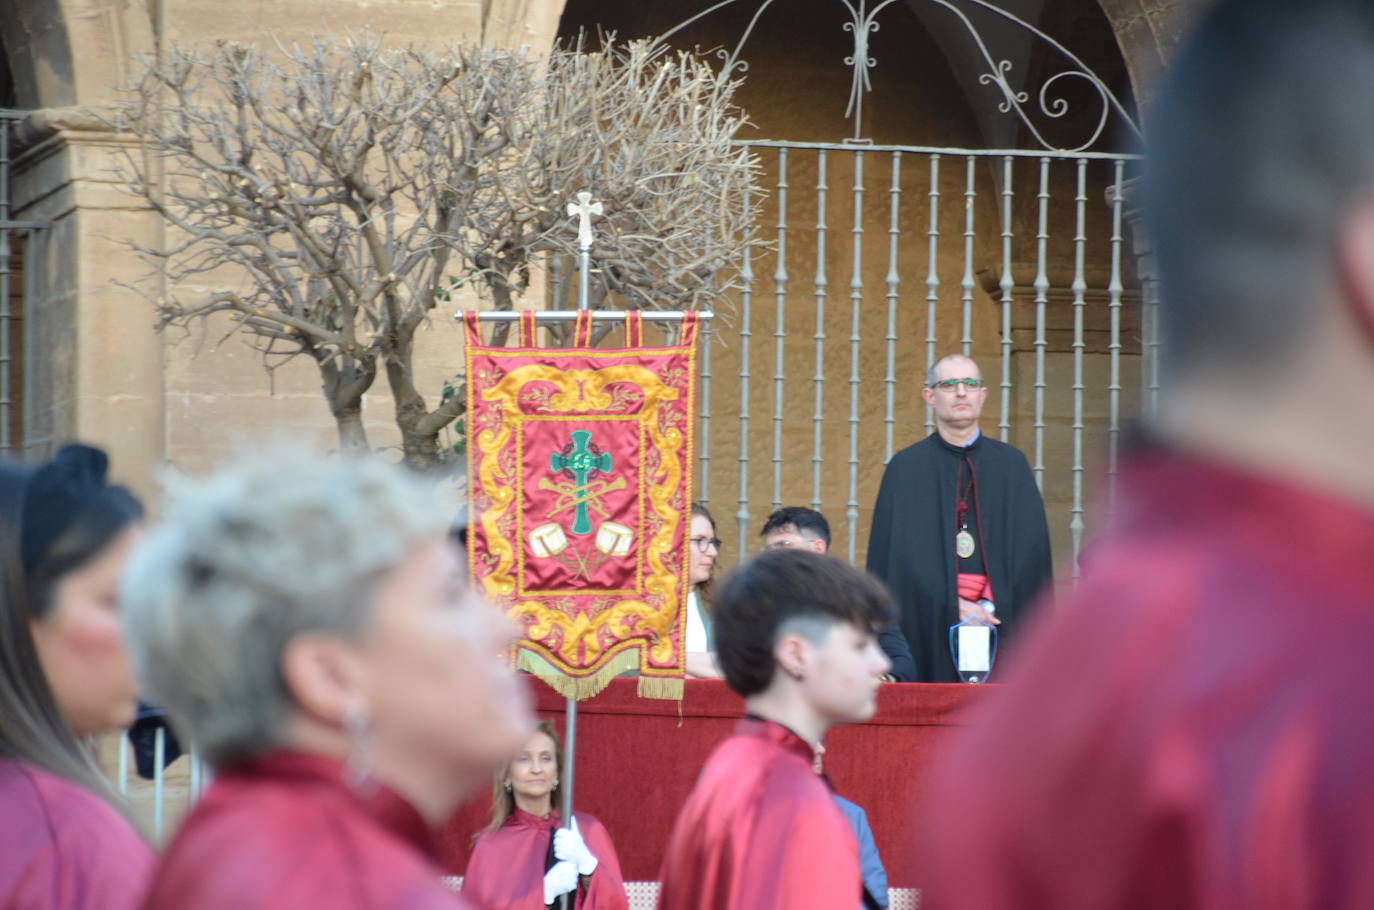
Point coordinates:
[[702, 551]]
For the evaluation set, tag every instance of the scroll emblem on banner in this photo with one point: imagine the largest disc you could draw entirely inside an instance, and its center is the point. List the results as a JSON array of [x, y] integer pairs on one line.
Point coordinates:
[[579, 481]]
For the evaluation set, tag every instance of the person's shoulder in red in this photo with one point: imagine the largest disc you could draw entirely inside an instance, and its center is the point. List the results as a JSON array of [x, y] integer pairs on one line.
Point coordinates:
[[1178, 734], [759, 830], [63, 846], [299, 839], [796, 636]]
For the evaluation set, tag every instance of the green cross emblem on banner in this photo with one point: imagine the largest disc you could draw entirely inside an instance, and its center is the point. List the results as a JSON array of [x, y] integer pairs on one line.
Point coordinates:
[[583, 461]]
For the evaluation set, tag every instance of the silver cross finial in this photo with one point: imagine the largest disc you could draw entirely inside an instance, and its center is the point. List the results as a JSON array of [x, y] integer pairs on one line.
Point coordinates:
[[584, 209]]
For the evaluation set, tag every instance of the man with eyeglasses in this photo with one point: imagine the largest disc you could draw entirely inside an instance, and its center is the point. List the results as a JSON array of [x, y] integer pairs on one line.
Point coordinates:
[[800, 528], [959, 530]]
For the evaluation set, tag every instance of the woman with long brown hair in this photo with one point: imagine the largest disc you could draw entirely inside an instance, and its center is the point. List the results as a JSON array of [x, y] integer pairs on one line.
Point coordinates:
[[65, 535], [523, 860], [703, 547]]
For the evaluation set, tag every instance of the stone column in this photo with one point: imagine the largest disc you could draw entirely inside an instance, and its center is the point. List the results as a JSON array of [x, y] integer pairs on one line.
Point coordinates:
[[94, 364]]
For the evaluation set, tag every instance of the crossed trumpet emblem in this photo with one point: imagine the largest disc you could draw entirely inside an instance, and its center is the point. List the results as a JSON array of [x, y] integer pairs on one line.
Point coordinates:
[[580, 462], [581, 479]]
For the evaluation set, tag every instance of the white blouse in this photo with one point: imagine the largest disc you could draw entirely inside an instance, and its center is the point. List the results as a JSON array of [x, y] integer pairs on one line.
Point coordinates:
[[696, 628]]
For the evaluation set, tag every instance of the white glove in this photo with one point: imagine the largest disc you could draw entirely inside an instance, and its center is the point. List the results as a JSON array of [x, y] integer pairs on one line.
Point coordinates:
[[569, 845], [560, 879]]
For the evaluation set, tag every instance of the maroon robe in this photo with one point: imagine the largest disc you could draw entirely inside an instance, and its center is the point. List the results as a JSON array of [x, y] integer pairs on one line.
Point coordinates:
[[286, 831], [1192, 728], [506, 871], [760, 830], [63, 847]]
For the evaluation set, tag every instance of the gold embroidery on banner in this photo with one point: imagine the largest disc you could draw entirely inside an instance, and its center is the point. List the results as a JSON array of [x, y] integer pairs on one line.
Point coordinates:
[[579, 392]]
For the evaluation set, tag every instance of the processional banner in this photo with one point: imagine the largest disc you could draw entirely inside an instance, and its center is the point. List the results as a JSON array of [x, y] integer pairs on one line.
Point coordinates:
[[580, 491]]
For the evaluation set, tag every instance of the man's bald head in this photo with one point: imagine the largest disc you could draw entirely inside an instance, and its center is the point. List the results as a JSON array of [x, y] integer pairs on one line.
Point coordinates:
[[955, 392], [957, 363]]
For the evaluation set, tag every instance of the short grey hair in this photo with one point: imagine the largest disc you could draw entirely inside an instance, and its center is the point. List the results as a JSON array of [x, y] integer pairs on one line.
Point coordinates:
[[251, 557], [931, 378]]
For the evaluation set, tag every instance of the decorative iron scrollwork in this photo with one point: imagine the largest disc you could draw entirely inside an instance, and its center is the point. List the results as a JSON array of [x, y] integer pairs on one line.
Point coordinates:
[[1050, 101]]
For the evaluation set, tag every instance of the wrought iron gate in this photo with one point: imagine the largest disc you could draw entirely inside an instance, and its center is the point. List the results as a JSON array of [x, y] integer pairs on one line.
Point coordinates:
[[14, 237], [1016, 257]]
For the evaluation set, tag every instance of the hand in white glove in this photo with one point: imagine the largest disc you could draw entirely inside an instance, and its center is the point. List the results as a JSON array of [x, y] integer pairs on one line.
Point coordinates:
[[560, 879], [569, 845]]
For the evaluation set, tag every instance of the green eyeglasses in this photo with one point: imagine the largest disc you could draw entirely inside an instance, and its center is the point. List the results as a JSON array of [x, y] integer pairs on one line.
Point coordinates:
[[949, 385]]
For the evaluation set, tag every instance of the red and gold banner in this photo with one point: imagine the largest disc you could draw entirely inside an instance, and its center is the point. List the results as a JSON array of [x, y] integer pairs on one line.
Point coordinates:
[[579, 484]]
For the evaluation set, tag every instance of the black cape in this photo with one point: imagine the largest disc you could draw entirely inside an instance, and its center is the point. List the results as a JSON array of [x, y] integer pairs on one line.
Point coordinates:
[[911, 547]]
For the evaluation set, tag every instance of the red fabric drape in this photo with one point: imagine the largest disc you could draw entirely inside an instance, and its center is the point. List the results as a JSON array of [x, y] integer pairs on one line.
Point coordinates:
[[974, 587], [637, 760]]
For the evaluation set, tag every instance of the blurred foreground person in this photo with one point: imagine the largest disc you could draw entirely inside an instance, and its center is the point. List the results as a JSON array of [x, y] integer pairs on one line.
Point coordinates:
[[1191, 729], [65, 535], [309, 627], [524, 860], [796, 636]]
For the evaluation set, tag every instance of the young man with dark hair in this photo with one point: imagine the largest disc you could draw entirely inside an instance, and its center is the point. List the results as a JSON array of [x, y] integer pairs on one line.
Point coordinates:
[[796, 635], [797, 527], [1185, 731]]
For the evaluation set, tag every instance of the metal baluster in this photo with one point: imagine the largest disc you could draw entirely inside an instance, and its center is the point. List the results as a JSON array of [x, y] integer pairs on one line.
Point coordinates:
[[1114, 291], [6, 444], [159, 755], [932, 276], [193, 760], [780, 329], [556, 279], [1080, 287], [123, 778], [966, 284], [1042, 288], [703, 494], [856, 299], [35, 248], [818, 378], [1150, 330], [1007, 284], [746, 305], [890, 380]]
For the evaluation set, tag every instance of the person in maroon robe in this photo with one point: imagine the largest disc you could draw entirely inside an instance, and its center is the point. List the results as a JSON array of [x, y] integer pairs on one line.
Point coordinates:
[[309, 626], [1190, 730], [65, 535], [524, 860], [796, 635]]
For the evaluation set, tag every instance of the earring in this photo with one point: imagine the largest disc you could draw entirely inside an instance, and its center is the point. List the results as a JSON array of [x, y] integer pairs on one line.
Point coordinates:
[[358, 767], [508, 786]]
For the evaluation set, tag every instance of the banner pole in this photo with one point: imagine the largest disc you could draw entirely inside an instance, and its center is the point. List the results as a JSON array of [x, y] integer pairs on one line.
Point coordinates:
[[584, 209]]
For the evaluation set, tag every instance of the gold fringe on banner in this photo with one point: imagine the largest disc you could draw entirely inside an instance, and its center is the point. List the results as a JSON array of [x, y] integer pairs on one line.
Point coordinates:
[[583, 687], [661, 687]]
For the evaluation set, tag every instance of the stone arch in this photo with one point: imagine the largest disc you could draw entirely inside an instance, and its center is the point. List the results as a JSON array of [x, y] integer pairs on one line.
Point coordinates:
[[1147, 32], [64, 53]]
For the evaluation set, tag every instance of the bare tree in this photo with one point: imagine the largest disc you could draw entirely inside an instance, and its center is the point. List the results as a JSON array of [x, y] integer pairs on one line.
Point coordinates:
[[652, 134], [328, 198]]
